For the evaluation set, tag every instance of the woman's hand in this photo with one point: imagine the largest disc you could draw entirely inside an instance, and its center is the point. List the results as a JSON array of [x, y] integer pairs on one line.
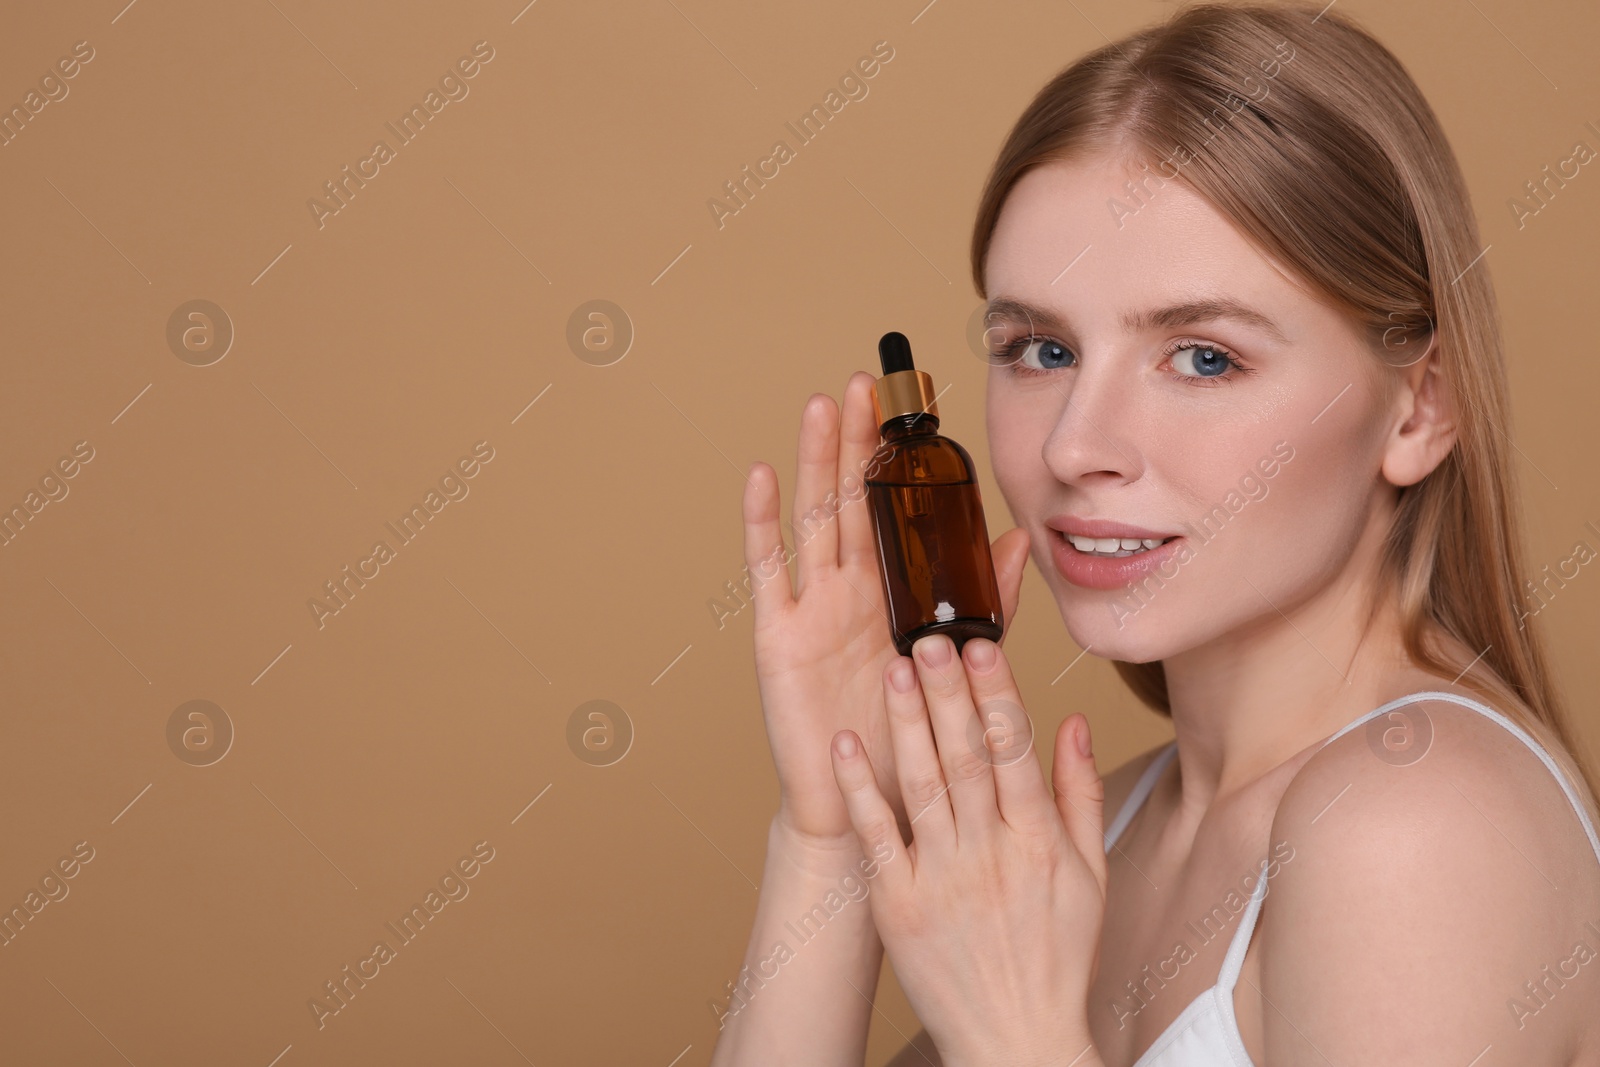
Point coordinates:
[[821, 648], [993, 926]]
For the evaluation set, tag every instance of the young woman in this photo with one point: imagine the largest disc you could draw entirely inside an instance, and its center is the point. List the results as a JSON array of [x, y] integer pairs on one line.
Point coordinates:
[[1247, 407]]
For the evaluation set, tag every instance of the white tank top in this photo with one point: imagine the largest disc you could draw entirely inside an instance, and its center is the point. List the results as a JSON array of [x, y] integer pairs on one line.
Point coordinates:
[[1206, 1034]]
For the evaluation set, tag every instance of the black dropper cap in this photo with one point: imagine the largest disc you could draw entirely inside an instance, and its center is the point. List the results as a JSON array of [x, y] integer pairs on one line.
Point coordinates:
[[894, 352], [903, 390]]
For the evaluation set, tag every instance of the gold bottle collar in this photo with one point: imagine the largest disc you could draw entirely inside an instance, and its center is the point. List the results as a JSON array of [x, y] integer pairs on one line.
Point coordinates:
[[905, 392]]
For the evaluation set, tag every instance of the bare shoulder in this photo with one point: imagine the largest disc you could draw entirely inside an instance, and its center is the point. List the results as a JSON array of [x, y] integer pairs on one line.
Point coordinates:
[[1437, 884]]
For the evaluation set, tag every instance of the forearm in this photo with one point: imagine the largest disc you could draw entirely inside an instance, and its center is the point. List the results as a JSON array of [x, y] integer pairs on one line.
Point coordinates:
[[804, 994]]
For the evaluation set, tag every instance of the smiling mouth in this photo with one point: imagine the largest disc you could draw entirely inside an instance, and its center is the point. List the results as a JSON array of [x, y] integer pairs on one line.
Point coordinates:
[[1114, 547]]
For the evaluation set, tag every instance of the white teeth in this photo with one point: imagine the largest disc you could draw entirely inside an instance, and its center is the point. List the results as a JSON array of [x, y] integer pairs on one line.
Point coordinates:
[[1114, 547]]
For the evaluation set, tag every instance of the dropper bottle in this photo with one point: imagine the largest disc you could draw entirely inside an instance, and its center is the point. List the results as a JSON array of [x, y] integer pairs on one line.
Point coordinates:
[[933, 544]]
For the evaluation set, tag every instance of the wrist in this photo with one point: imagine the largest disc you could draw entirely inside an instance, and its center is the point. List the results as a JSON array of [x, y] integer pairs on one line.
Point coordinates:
[[826, 866], [823, 856], [1086, 1056], [819, 876], [1073, 1051]]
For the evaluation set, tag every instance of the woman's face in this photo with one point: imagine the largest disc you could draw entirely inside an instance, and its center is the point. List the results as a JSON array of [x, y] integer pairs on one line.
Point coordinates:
[[1177, 385]]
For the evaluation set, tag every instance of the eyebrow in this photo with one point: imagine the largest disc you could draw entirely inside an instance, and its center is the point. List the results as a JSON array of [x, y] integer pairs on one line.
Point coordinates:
[[1186, 313]]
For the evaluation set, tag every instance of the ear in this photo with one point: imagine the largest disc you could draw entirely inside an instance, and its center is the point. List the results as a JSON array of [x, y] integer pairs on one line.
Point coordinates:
[[1424, 419]]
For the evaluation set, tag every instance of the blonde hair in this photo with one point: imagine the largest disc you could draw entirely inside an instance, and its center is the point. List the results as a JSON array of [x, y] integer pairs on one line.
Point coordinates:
[[1332, 162]]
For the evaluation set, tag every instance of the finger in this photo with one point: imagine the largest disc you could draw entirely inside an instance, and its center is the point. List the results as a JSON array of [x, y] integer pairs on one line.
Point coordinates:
[[1021, 793], [950, 708], [859, 440], [916, 759], [869, 812], [1010, 555], [816, 535], [1081, 793], [765, 555]]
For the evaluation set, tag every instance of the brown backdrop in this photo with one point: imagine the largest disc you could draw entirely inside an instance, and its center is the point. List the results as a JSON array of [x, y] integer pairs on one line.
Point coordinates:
[[232, 457]]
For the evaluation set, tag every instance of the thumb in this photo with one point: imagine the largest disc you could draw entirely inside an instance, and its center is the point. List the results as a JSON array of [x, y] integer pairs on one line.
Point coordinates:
[[1081, 793], [1010, 555]]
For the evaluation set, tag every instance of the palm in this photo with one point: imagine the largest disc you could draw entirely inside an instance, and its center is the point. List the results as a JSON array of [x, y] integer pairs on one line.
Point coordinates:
[[822, 644], [819, 664]]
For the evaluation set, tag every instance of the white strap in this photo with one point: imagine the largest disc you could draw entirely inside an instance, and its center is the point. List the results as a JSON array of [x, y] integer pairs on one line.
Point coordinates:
[[1141, 790], [1234, 960], [1518, 732]]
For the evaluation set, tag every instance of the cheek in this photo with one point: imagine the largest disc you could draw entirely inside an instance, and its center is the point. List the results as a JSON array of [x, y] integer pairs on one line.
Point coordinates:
[[1017, 433], [1320, 501], [1291, 533]]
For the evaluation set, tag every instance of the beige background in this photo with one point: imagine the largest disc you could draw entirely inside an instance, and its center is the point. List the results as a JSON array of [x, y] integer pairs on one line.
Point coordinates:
[[370, 354]]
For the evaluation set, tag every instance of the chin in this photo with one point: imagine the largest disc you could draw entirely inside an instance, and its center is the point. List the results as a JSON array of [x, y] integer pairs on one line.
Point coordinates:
[[1093, 627], [1094, 624]]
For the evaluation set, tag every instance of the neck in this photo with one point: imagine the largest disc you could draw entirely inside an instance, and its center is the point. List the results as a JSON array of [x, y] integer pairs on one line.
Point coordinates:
[[1248, 703]]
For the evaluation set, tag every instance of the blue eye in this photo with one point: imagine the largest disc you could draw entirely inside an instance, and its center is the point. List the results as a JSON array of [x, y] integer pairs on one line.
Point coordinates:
[[1194, 362], [1201, 361], [1033, 355], [1053, 355]]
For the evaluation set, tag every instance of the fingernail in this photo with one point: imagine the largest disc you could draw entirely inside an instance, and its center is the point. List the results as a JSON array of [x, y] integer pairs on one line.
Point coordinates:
[[935, 650], [902, 675], [980, 653], [845, 744], [1084, 744]]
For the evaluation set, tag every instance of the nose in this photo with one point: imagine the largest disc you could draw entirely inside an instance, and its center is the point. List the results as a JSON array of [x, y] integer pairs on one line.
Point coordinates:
[[1092, 441]]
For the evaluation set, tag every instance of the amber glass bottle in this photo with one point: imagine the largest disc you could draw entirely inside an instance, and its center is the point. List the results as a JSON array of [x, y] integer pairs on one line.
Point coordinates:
[[933, 545]]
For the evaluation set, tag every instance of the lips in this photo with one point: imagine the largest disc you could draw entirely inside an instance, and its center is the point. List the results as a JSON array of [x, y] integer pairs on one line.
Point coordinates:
[[1113, 554], [1115, 547], [1098, 528]]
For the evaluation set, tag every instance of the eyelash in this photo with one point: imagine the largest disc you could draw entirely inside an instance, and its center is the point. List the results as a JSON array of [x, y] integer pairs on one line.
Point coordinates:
[[1014, 365]]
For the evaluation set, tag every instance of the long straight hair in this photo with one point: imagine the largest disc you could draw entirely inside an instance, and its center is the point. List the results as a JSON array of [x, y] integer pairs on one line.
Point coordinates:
[[1309, 136]]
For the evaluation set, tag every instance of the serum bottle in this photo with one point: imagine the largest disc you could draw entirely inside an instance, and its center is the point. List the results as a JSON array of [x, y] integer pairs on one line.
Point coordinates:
[[933, 545]]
